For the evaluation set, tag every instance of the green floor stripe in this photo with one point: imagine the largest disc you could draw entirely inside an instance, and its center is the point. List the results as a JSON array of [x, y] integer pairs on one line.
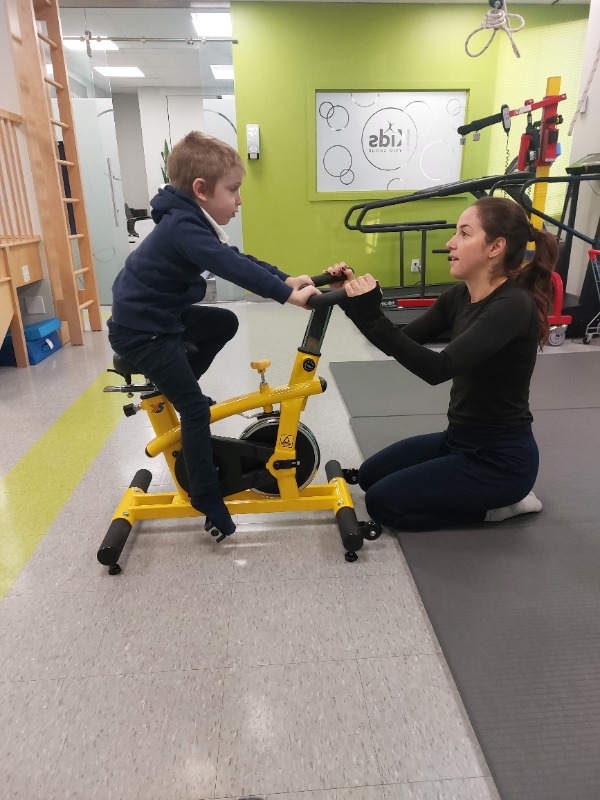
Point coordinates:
[[34, 491]]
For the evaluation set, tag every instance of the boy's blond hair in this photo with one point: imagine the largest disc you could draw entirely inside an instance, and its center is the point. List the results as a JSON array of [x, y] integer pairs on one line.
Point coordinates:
[[199, 155]]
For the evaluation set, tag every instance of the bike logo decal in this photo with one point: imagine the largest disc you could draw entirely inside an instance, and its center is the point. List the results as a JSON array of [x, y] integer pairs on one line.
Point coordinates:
[[157, 407], [286, 440]]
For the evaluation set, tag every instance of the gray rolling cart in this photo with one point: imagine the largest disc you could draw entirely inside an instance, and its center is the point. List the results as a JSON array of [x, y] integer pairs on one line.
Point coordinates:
[[593, 326]]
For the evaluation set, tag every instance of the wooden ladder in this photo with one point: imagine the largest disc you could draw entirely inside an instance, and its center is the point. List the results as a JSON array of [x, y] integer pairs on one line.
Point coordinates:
[[37, 40]]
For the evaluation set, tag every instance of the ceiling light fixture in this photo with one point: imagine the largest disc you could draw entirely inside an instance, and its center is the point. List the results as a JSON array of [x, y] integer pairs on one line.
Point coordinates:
[[212, 24], [222, 72], [120, 72]]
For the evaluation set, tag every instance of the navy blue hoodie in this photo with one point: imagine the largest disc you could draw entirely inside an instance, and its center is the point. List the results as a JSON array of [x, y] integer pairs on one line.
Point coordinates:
[[163, 275]]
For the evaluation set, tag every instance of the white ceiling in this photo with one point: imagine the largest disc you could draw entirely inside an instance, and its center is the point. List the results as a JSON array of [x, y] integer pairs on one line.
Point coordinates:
[[172, 64]]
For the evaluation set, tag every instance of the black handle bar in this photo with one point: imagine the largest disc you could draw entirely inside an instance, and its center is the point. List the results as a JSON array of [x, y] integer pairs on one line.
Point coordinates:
[[330, 297], [325, 278]]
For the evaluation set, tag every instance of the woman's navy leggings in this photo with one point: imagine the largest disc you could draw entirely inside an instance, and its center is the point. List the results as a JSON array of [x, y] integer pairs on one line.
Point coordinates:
[[450, 478]]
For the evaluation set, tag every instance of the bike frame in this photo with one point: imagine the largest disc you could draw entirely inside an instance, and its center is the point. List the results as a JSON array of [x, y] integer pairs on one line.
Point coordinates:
[[137, 504]]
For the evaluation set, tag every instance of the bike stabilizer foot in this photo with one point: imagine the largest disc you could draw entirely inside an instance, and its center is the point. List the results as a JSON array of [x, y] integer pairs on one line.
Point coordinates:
[[119, 529], [348, 525]]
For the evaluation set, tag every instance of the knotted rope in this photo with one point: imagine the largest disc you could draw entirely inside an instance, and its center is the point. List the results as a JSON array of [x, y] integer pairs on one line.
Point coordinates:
[[497, 19]]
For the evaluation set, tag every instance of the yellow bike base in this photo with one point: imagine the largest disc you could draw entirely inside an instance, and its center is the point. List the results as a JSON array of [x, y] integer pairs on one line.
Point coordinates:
[[137, 505]]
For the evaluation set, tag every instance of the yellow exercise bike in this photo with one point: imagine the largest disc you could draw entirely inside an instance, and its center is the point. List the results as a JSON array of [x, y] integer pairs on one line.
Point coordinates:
[[268, 468]]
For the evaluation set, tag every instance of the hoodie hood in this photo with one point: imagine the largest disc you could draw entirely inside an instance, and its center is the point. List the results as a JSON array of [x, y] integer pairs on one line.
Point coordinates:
[[170, 198]]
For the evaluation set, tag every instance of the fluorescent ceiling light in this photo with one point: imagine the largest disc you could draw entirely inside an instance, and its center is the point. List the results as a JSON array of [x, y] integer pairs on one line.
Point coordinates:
[[222, 72], [77, 44], [209, 24], [120, 72]]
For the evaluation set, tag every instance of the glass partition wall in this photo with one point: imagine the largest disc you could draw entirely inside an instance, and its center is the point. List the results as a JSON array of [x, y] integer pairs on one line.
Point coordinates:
[[140, 79]]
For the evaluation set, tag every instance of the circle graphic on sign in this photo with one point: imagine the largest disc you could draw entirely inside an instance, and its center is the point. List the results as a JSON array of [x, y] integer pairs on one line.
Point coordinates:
[[436, 161], [454, 107], [396, 184], [337, 161], [365, 99], [389, 139], [336, 117]]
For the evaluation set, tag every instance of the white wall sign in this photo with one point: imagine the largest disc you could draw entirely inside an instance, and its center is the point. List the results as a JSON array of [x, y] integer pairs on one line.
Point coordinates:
[[396, 141]]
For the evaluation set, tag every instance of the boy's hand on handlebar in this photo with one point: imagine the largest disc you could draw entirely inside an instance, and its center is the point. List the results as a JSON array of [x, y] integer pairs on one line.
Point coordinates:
[[299, 297], [341, 271], [299, 281]]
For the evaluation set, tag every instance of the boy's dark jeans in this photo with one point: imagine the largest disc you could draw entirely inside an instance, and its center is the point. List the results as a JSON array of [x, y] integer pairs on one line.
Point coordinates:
[[161, 358]]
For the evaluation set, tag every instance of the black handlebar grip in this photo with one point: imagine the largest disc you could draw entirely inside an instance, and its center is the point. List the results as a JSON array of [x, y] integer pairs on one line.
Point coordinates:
[[325, 278], [327, 298], [478, 124]]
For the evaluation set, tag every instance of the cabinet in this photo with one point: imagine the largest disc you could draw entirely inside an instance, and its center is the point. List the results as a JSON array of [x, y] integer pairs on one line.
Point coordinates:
[[20, 249]]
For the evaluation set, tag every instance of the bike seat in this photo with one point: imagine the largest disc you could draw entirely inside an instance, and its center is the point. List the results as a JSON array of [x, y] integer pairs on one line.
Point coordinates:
[[124, 367], [127, 368]]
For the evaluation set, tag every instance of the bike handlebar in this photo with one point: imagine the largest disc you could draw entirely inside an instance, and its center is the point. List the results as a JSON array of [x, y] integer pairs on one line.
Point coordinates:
[[325, 278], [330, 297]]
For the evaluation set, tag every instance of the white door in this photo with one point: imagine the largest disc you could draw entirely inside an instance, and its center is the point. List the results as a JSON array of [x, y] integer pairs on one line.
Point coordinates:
[[102, 189]]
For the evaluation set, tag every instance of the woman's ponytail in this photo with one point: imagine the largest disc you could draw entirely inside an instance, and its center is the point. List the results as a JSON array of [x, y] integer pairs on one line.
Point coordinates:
[[536, 276], [501, 217]]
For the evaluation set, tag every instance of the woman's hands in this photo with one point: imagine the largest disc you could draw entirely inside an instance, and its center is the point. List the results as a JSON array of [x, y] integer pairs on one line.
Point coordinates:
[[354, 287], [341, 271], [303, 287], [364, 300], [361, 285]]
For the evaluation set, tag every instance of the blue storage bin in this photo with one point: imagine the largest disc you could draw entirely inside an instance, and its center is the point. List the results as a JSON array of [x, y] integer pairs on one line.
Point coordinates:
[[41, 338]]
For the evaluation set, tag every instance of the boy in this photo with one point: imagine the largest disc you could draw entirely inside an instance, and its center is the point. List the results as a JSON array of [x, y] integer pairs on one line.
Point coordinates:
[[154, 296]]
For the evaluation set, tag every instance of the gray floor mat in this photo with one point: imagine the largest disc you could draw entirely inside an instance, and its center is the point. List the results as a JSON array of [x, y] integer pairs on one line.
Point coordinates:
[[515, 605], [384, 388], [516, 613]]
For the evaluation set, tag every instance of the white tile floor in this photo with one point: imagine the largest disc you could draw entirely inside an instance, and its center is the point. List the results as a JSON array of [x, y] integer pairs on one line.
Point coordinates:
[[264, 665]]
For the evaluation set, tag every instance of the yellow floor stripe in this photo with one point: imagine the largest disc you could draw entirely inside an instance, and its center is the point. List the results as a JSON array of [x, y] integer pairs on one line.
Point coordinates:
[[33, 492]]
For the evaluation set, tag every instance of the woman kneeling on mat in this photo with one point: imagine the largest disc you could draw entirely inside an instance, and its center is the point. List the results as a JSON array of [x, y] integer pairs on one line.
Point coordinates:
[[484, 466]]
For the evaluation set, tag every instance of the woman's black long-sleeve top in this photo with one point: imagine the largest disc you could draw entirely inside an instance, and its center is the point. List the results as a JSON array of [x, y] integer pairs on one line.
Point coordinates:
[[490, 357]]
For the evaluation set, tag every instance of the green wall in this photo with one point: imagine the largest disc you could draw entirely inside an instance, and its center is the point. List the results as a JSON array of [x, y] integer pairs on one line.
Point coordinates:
[[287, 51]]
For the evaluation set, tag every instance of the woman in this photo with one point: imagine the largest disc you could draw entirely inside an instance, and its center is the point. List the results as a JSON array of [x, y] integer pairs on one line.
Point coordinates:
[[484, 466]]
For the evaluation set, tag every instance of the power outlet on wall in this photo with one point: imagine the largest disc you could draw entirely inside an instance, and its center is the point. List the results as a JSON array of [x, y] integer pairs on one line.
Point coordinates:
[[415, 265]]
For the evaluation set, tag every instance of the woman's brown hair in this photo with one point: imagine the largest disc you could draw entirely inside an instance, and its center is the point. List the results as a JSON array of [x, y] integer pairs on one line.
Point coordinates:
[[504, 218]]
